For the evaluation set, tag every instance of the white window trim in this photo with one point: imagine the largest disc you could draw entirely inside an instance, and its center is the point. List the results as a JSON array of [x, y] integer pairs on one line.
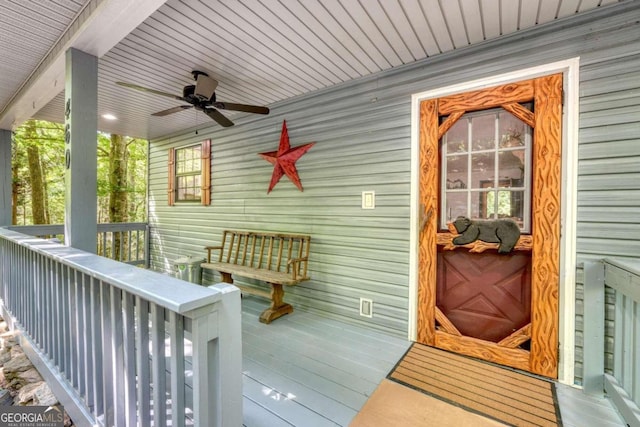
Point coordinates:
[[570, 69], [177, 175]]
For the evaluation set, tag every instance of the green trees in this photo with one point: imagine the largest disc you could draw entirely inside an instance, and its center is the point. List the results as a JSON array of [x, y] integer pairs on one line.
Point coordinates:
[[38, 173], [38, 176]]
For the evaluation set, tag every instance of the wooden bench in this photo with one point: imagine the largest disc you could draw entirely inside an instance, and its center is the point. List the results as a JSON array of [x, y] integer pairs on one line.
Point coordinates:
[[275, 258]]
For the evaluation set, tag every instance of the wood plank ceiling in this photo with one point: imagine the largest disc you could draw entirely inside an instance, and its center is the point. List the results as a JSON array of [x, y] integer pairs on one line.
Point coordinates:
[[261, 51], [28, 29]]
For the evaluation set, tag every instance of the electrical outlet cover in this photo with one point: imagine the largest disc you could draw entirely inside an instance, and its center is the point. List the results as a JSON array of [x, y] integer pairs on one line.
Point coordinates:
[[366, 307]]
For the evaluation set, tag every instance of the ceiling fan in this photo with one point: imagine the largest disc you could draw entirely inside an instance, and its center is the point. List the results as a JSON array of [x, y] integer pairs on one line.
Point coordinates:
[[201, 96]]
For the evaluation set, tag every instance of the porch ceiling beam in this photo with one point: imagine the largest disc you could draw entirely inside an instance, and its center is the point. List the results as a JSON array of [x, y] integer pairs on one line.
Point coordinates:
[[98, 27]]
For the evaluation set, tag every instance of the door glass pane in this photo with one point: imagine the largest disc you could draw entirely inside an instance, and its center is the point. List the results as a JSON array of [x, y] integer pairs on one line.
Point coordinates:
[[483, 131], [512, 130], [478, 205], [517, 206], [457, 138], [488, 175], [501, 208], [457, 174], [456, 205], [512, 168], [482, 170]]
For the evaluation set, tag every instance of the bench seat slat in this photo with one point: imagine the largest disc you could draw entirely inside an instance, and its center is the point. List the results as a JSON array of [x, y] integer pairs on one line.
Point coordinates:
[[254, 273]]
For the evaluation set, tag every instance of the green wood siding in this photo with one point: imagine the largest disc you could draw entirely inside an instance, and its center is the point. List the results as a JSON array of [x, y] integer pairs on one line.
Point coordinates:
[[362, 135]]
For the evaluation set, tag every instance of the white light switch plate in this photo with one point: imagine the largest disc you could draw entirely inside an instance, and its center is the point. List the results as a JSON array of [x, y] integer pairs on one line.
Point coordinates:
[[368, 200]]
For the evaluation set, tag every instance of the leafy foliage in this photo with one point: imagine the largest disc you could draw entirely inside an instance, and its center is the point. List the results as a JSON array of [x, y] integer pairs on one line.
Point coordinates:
[[49, 139]]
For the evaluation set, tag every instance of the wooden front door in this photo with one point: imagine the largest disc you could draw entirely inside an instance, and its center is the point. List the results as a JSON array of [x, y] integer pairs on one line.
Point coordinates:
[[491, 154]]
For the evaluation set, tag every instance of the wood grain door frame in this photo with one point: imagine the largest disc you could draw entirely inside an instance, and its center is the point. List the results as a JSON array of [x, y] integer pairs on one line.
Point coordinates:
[[569, 69]]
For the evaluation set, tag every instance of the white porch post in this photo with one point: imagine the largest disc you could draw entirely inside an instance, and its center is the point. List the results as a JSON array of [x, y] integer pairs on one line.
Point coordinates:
[[5, 177], [81, 150]]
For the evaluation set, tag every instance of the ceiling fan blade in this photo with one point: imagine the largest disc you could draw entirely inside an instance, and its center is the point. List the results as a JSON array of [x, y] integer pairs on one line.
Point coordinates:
[[172, 110], [146, 89], [218, 117], [241, 107]]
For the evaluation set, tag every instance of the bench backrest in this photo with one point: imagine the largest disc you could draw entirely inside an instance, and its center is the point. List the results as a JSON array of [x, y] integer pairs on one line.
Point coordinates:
[[269, 251]]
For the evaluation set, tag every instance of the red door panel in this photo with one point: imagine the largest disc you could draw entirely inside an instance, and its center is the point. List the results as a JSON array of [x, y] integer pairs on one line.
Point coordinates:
[[485, 296]]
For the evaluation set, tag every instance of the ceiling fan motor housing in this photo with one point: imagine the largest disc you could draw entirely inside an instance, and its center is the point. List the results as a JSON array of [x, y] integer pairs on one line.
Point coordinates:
[[188, 90]]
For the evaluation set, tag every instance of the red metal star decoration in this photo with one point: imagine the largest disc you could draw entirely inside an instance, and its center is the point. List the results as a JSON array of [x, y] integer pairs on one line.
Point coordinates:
[[284, 160]]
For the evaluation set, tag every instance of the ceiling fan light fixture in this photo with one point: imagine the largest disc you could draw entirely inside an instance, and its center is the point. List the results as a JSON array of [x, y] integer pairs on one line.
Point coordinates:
[[205, 87]]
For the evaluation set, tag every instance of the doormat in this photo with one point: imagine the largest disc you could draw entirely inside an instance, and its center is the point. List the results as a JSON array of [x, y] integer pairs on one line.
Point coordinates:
[[393, 404], [499, 393]]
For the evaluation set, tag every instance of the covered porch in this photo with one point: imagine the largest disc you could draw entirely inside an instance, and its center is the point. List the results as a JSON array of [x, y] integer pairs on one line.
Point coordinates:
[[345, 78], [79, 318]]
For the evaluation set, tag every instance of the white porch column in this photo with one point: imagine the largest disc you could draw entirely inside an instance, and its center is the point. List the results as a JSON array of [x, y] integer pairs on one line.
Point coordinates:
[[81, 150], [5, 177]]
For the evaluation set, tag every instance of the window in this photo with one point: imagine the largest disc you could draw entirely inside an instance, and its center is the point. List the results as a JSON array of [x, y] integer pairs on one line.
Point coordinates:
[[190, 174], [486, 158]]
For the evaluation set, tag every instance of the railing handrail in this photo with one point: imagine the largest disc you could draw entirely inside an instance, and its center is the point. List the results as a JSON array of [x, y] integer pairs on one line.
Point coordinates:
[[133, 225], [38, 229], [628, 267], [126, 242], [160, 289], [47, 229]]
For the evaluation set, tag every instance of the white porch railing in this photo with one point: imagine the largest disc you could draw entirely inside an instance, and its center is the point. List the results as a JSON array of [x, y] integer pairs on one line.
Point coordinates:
[[623, 276], [121, 345], [123, 241]]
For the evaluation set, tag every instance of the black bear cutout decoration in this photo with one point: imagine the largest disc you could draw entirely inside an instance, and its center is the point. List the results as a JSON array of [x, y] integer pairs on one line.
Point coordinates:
[[503, 231]]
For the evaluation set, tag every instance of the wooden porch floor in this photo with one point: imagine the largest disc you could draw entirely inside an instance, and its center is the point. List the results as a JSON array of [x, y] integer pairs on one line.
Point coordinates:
[[306, 370]]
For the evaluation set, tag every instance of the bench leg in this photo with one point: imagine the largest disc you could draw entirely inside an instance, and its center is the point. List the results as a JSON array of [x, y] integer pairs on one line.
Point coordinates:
[[278, 306], [226, 277]]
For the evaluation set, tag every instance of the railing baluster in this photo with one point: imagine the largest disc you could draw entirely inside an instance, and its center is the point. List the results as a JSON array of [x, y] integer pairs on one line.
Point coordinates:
[[36, 308], [48, 301], [121, 246], [117, 354], [176, 332], [73, 329], [129, 241], [137, 245], [97, 348], [42, 302], [54, 328], [107, 358], [142, 362], [635, 388], [159, 366], [618, 345], [86, 332], [24, 263], [129, 359], [63, 314], [58, 343], [26, 288]]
